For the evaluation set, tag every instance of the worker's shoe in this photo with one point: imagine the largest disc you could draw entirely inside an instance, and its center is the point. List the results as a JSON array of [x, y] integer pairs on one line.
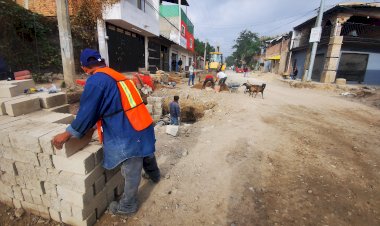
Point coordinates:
[[156, 178], [115, 209], [151, 169]]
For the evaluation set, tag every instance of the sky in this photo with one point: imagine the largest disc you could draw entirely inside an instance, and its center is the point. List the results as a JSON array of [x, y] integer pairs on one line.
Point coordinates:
[[221, 21]]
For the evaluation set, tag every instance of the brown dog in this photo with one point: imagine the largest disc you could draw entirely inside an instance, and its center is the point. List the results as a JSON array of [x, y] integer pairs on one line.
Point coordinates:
[[257, 89]]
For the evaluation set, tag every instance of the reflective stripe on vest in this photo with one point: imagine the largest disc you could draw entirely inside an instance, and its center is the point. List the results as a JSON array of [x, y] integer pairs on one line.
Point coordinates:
[[132, 103]]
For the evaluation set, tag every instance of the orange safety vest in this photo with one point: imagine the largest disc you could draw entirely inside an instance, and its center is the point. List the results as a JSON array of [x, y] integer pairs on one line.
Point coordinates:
[[133, 106]]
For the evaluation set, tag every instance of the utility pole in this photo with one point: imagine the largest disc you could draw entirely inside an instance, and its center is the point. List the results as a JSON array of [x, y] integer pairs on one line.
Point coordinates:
[[316, 32], [204, 56], [65, 40]]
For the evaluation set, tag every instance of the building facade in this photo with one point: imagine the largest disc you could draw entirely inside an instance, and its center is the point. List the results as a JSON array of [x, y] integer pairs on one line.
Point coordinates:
[[349, 45], [177, 27], [277, 54]]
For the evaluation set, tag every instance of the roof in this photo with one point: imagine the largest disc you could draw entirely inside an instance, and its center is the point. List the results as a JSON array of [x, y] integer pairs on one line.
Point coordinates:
[[183, 2], [347, 6]]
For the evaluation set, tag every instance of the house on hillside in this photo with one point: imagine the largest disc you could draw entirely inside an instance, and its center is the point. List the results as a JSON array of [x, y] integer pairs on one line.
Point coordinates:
[[277, 54], [349, 47]]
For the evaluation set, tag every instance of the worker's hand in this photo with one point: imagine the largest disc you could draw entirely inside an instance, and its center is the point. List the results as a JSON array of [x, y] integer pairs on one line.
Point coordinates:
[[60, 139]]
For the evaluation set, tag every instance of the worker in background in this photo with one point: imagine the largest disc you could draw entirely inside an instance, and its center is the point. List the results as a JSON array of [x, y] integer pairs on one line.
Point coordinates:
[[209, 78], [222, 77], [245, 71], [124, 125], [180, 65], [191, 74], [175, 111]]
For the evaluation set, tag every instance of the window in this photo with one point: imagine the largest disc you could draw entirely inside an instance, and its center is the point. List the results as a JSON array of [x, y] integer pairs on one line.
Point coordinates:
[[182, 30], [191, 43], [141, 4]]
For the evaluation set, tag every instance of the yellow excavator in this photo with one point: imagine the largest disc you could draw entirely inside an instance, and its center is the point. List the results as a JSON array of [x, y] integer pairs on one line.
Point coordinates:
[[215, 62]]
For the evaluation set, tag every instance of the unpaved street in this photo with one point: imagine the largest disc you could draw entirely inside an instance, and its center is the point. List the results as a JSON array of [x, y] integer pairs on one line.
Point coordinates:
[[297, 157]]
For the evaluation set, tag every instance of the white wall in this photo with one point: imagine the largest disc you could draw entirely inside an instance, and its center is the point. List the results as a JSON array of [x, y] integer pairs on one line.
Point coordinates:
[[127, 11]]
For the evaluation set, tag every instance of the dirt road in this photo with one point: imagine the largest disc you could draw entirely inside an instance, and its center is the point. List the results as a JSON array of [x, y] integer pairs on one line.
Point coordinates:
[[297, 157]]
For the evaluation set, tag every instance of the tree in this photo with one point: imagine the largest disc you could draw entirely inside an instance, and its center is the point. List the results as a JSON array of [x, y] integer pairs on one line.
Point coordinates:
[[200, 48], [246, 46], [230, 60]]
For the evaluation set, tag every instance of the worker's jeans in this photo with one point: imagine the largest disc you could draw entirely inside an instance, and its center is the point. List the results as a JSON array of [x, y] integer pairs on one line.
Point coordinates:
[[131, 171], [174, 121], [191, 78]]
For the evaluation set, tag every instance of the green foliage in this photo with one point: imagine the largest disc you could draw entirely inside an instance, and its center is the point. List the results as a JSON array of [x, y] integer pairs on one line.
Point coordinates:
[[200, 48], [246, 46], [25, 39], [230, 60]]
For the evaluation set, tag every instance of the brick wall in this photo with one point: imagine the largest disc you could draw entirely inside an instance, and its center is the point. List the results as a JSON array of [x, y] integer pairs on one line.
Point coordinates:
[[44, 7], [277, 48]]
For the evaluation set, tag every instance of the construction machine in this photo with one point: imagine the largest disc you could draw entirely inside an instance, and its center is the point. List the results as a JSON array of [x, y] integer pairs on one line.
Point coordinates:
[[215, 61]]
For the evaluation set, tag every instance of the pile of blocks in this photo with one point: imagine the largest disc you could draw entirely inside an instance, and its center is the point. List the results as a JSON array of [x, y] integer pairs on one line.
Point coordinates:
[[155, 107], [67, 185]]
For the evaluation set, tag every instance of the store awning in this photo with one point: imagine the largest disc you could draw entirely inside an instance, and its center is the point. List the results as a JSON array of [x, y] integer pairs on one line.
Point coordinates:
[[278, 57], [183, 2]]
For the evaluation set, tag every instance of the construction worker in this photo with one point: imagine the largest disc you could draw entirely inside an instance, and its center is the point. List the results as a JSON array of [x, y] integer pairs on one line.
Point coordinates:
[[175, 111], [124, 125]]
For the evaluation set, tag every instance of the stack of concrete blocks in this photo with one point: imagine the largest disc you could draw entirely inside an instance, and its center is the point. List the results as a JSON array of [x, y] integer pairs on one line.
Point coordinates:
[[155, 107], [67, 185]]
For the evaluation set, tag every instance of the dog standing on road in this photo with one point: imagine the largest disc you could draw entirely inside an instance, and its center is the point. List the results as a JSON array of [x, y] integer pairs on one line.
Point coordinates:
[[257, 89]]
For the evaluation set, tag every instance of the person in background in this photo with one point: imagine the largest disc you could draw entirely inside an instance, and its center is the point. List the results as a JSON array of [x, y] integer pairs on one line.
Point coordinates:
[[295, 73], [222, 77], [175, 111], [209, 78], [245, 71], [125, 127], [180, 65], [191, 74]]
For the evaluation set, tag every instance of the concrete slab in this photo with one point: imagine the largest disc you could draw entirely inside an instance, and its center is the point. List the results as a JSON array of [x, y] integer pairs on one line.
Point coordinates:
[[9, 91], [6, 99], [22, 106], [21, 84], [60, 109], [51, 117], [52, 100]]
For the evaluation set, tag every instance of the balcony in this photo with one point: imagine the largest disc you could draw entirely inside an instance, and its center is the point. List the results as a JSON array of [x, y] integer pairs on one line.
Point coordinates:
[[128, 14]]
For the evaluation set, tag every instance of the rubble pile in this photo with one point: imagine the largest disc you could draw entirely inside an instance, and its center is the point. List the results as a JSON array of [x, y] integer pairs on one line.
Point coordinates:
[[155, 107], [67, 185]]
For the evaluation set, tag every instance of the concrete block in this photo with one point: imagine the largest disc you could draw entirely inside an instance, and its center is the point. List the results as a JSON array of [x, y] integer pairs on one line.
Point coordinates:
[[78, 182], [328, 76], [20, 181], [22, 156], [44, 212], [27, 195], [334, 51], [8, 166], [41, 173], [36, 198], [51, 202], [50, 189], [9, 91], [80, 163], [51, 117], [59, 109], [53, 176], [91, 220], [336, 40], [52, 100], [46, 161], [17, 193], [172, 130], [99, 184], [28, 139], [55, 215], [110, 173], [17, 203], [73, 145], [4, 100], [331, 64], [156, 118], [6, 200], [152, 100], [150, 108], [45, 140], [76, 198], [111, 185], [6, 189], [8, 178], [11, 126], [341, 81], [98, 204], [97, 150], [22, 106], [21, 84], [30, 208], [66, 208]]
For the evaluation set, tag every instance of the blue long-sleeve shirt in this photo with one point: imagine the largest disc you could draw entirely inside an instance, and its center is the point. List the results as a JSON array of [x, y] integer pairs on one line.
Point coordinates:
[[174, 109], [120, 141]]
